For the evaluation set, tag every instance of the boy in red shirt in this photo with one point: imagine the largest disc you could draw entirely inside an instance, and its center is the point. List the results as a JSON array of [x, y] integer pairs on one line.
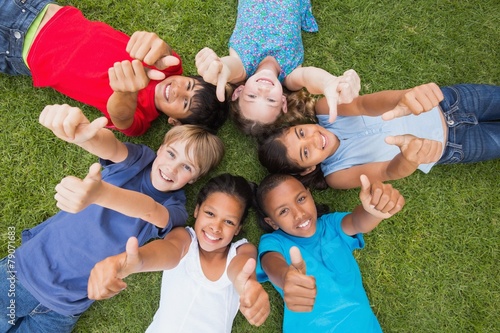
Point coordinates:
[[132, 80]]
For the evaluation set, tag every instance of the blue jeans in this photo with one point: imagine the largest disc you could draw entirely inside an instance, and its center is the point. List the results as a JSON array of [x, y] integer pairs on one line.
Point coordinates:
[[21, 312], [16, 16], [472, 112]]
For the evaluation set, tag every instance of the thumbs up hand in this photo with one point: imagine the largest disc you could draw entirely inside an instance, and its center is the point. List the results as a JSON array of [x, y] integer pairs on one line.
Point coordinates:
[[254, 301], [299, 289], [417, 100], [105, 279], [74, 194], [417, 150]]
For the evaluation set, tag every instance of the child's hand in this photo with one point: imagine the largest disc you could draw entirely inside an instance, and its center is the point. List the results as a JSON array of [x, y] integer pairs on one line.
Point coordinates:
[[379, 199], [299, 289], [417, 100], [213, 71], [151, 49], [105, 279], [341, 90], [74, 194], [417, 150], [128, 77], [70, 124], [254, 301]]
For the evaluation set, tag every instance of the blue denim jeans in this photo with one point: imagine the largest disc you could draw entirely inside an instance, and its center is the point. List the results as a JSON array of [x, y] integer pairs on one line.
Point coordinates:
[[21, 312], [16, 16], [472, 112]]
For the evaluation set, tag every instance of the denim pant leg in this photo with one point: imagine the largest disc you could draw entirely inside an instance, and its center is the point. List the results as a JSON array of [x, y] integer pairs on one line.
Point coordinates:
[[472, 112], [16, 16], [21, 312]]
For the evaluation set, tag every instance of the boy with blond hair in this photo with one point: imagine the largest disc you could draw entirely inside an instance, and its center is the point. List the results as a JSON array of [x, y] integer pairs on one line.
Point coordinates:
[[138, 193]]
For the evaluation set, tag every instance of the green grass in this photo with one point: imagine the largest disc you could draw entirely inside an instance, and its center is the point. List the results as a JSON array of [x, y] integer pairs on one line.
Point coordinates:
[[431, 268]]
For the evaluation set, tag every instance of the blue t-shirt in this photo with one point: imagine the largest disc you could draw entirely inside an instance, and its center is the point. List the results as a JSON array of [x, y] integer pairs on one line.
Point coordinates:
[[341, 303], [362, 138], [272, 28], [56, 256]]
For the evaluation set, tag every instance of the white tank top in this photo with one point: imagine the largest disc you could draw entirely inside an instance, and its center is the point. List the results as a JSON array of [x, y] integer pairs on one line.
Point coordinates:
[[190, 302]]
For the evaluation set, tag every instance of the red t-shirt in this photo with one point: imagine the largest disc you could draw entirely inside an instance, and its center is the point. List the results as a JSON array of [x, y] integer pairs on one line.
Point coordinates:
[[72, 55]]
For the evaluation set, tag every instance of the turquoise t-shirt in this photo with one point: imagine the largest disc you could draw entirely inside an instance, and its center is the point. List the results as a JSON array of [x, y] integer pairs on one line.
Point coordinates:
[[341, 303]]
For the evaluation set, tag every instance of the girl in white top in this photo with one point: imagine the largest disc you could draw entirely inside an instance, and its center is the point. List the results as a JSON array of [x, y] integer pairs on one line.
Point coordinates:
[[206, 278]]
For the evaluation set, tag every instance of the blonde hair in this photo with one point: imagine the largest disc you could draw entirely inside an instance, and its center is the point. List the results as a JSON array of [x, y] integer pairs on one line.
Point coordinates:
[[300, 105], [205, 148]]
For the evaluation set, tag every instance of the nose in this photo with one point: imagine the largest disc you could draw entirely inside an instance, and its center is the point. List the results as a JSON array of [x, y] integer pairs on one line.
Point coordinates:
[[298, 213], [215, 227], [264, 88]]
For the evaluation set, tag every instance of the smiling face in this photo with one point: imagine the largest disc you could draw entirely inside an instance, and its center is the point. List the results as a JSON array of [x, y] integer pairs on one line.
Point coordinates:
[[290, 207], [218, 220], [261, 98], [174, 95], [173, 168], [309, 145]]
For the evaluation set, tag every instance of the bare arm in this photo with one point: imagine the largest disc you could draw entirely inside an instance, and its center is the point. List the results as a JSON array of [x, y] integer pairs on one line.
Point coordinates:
[[378, 201], [219, 71], [74, 194], [70, 124], [106, 278], [254, 301], [336, 90]]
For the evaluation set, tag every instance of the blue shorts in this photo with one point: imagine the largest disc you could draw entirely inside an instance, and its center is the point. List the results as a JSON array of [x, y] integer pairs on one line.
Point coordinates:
[[16, 16]]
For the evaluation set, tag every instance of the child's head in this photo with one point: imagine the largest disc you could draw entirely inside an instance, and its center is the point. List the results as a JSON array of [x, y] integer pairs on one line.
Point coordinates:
[[187, 153], [221, 209], [299, 108], [285, 203], [298, 150], [190, 100]]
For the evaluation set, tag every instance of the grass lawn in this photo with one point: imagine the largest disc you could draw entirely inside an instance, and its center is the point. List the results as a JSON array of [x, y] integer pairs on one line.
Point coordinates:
[[431, 268]]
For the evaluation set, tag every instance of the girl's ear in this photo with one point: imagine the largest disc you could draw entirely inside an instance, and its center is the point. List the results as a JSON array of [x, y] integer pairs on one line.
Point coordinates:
[[237, 92], [173, 121], [271, 223], [284, 104], [308, 170], [196, 209]]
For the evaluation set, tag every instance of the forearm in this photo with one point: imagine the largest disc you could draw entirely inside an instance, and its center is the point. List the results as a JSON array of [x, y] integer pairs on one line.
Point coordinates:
[[235, 67], [133, 204], [362, 221], [160, 255], [106, 146], [121, 108], [275, 267], [371, 104], [399, 168]]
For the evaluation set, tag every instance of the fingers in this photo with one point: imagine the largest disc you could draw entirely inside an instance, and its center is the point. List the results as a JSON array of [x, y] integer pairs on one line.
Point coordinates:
[[126, 76], [221, 88], [167, 61], [103, 282], [154, 74], [243, 276], [399, 140], [383, 198], [62, 120], [420, 99], [147, 47], [132, 258]]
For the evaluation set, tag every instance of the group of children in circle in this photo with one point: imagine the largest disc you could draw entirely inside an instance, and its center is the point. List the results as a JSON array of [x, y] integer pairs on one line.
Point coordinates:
[[340, 140]]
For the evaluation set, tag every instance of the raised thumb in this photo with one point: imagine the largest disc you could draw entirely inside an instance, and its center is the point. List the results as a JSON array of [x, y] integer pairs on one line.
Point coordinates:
[[167, 61], [94, 172], [154, 74], [297, 261]]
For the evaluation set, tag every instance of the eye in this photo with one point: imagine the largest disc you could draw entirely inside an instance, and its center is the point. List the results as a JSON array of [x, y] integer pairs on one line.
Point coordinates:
[[251, 96], [301, 199], [189, 86], [209, 213], [271, 100], [169, 152], [306, 152], [185, 103], [230, 222], [283, 211], [301, 133], [187, 167]]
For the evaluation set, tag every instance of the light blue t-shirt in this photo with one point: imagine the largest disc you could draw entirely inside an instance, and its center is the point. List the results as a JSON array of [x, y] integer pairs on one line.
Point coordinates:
[[341, 303], [272, 28], [56, 256], [362, 138]]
